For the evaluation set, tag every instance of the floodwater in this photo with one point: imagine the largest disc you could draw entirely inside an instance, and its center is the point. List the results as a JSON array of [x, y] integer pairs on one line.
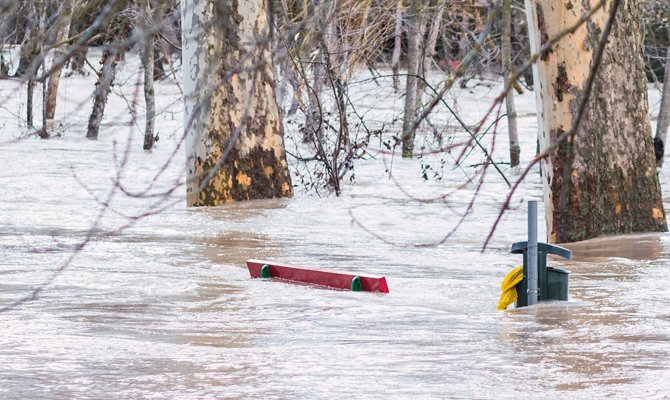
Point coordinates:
[[164, 308]]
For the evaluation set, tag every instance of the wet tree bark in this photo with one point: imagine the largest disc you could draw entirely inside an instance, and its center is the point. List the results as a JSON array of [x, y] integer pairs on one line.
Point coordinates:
[[234, 142], [514, 149], [609, 185], [663, 115]]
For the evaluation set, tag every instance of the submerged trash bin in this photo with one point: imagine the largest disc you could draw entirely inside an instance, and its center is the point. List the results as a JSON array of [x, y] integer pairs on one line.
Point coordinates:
[[538, 282], [552, 282], [557, 284]]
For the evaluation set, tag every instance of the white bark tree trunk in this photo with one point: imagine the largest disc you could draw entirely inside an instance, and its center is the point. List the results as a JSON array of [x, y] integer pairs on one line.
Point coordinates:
[[413, 59], [610, 184], [514, 148], [234, 134], [148, 63]]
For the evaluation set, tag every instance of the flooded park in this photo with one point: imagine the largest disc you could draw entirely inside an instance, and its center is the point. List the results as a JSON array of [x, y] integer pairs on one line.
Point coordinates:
[[109, 295]]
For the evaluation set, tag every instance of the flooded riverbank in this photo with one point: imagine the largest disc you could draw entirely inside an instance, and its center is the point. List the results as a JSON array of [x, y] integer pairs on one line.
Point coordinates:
[[164, 307]]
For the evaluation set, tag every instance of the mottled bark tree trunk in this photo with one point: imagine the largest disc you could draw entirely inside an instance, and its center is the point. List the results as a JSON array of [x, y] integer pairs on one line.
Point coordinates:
[[514, 149], [663, 115], [609, 185], [235, 145]]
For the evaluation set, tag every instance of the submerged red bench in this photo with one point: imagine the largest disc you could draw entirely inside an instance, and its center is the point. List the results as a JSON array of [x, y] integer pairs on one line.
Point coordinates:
[[332, 279]]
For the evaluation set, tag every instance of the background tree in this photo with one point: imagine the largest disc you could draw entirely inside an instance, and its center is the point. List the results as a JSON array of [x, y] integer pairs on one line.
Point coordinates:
[[146, 13], [235, 145], [514, 149], [60, 30], [28, 13], [112, 53], [414, 42], [602, 177]]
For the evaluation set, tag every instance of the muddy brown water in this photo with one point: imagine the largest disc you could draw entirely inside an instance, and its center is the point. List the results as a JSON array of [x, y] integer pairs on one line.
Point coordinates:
[[166, 309]]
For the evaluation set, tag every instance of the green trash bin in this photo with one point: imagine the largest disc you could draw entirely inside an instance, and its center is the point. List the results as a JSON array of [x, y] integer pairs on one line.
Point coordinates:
[[552, 282], [557, 284]]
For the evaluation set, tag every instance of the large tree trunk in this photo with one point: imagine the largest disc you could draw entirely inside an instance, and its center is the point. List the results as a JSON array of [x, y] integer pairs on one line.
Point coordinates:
[[514, 148], [663, 115], [234, 142], [609, 184]]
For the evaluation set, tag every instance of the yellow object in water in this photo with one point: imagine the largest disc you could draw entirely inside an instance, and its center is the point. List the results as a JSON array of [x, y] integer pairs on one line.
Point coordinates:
[[509, 295]]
